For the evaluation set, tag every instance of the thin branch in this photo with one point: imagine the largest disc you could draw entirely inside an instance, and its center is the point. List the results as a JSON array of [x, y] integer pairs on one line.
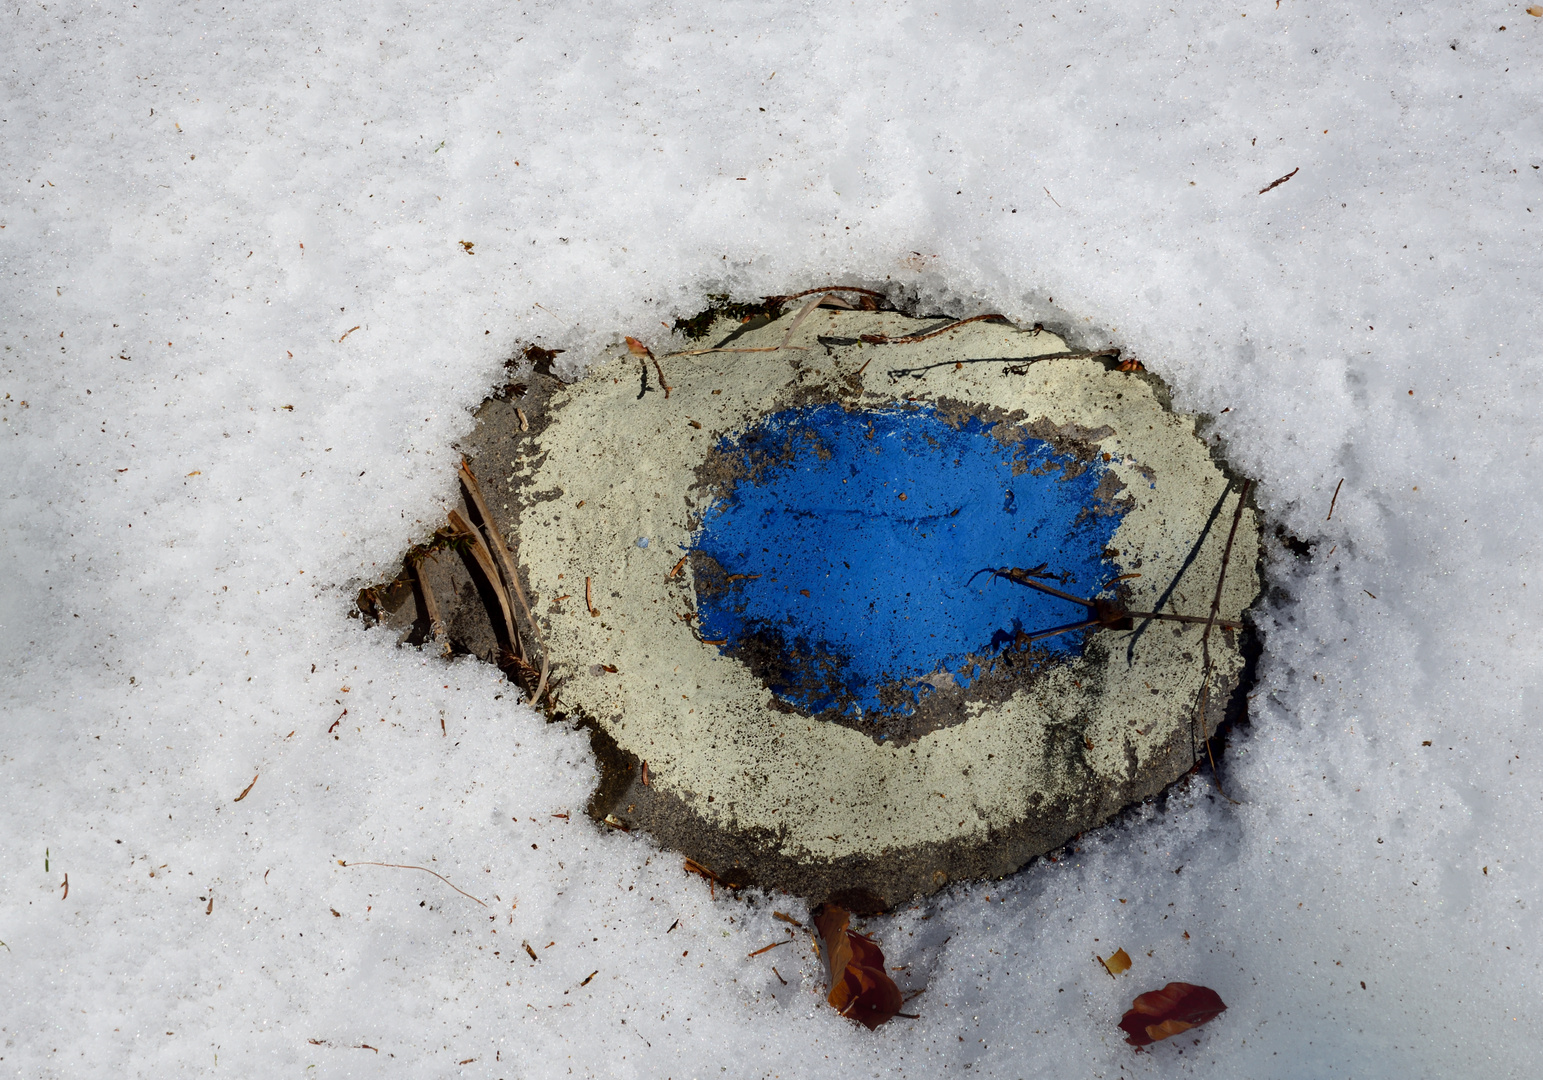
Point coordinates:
[[764, 348], [1031, 583], [425, 869], [1068, 628], [1336, 497], [768, 948]]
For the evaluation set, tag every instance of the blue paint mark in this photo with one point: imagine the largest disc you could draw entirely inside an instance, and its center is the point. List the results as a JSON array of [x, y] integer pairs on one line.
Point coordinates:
[[882, 518]]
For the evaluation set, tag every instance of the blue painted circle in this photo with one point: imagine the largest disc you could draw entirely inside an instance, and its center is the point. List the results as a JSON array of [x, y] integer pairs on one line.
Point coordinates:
[[853, 541]]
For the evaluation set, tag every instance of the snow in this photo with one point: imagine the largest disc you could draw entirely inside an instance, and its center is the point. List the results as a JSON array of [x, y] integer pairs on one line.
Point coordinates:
[[199, 203]]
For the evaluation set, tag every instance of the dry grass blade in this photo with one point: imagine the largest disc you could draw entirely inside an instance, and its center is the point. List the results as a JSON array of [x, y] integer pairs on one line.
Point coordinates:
[[885, 339], [506, 558], [431, 609], [546, 669], [798, 320], [246, 790], [828, 289], [484, 559], [425, 869]]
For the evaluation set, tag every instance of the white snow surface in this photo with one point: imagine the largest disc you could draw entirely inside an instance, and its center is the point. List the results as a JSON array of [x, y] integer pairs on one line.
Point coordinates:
[[199, 201]]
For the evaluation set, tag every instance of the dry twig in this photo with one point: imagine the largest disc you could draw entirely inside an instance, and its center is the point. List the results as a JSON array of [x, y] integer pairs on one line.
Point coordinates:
[[767, 948], [1277, 183], [637, 348]]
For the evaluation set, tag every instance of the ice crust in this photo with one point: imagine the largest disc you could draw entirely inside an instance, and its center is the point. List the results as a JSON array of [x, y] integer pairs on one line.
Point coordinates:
[[199, 203]]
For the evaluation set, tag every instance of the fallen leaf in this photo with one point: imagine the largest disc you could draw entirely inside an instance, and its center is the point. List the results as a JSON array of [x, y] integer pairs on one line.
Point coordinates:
[[1535, 12], [1175, 1008], [859, 988], [637, 348], [246, 790], [1117, 962]]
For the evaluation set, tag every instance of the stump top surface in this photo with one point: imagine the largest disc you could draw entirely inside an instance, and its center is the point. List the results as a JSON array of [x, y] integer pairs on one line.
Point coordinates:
[[789, 623]]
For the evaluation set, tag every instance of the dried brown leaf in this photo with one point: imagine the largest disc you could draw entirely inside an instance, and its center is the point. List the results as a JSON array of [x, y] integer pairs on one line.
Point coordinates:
[[1116, 962], [859, 988], [1177, 1007]]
